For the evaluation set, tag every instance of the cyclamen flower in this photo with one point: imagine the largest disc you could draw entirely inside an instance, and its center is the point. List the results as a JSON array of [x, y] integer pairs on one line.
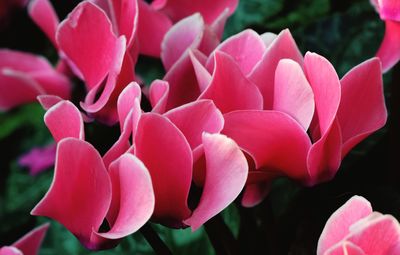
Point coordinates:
[[29, 244], [354, 229], [291, 115], [123, 194], [389, 51], [24, 76]]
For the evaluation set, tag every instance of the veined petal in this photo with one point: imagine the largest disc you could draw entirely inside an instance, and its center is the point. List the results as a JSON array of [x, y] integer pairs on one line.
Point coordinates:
[[263, 74], [362, 107], [226, 173], [269, 137], [389, 51], [80, 194], [195, 118], [44, 15], [30, 243], [167, 155], [345, 248], [337, 226], [292, 93], [132, 201], [230, 89], [64, 120]]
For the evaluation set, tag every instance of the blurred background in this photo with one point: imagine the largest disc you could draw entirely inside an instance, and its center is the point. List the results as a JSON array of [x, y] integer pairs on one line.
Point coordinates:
[[291, 219]]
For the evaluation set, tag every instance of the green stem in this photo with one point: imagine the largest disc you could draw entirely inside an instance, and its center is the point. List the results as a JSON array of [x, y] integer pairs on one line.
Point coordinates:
[[151, 236]]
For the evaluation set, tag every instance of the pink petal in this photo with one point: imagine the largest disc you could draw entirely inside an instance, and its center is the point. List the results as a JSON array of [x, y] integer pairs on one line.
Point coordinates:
[[378, 236], [268, 137], [22, 61], [126, 14], [255, 193], [132, 201], [389, 9], [166, 153], [80, 194], [230, 89], [325, 155], [345, 248], [39, 159], [158, 95], [210, 10], [9, 250], [268, 38], [389, 51], [64, 120], [91, 51], [53, 83], [218, 25], [30, 243], [44, 15], [362, 106], [183, 84], [48, 101], [263, 74], [24, 89], [337, 226], [185, 35], [203, 76], [195, 118], [292, 93], [153, 26], [246, 48], [126, 102], [226, 173]]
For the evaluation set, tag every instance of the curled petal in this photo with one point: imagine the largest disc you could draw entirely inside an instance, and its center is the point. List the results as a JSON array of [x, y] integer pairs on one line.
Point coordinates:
[[203, 76], [126, 101], [389, 9], [292, 93], [91, 52], [80, 193], [226, 173], [30, 243], [132, 201], [168, 157], [48, 101], [183, 36], [158, 95], [255, 193], [65, 120], [263, 73], [268, 137], [195, 118], [230, 89], [389, 51], [337, 226], [44, 15], [362, 106]]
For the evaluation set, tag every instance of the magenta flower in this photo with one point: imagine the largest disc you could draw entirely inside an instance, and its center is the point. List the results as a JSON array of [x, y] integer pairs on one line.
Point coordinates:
[[389, 51], [38, 159], [275, 103], [29, 244], [354, 229], [24, 76]]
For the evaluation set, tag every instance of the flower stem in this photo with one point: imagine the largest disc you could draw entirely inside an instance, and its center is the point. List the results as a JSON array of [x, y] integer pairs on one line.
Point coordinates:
[[151, 236]]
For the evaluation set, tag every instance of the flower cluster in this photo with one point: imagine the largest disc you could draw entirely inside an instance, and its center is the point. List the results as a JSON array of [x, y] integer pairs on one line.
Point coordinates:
[[227, 117]]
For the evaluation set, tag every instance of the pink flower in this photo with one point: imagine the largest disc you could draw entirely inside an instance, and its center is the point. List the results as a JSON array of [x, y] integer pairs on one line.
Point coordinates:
[[164, 145], [38, 159], [24, 76], [354, 229], [277, 103], [389, 51], [29, 244]]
